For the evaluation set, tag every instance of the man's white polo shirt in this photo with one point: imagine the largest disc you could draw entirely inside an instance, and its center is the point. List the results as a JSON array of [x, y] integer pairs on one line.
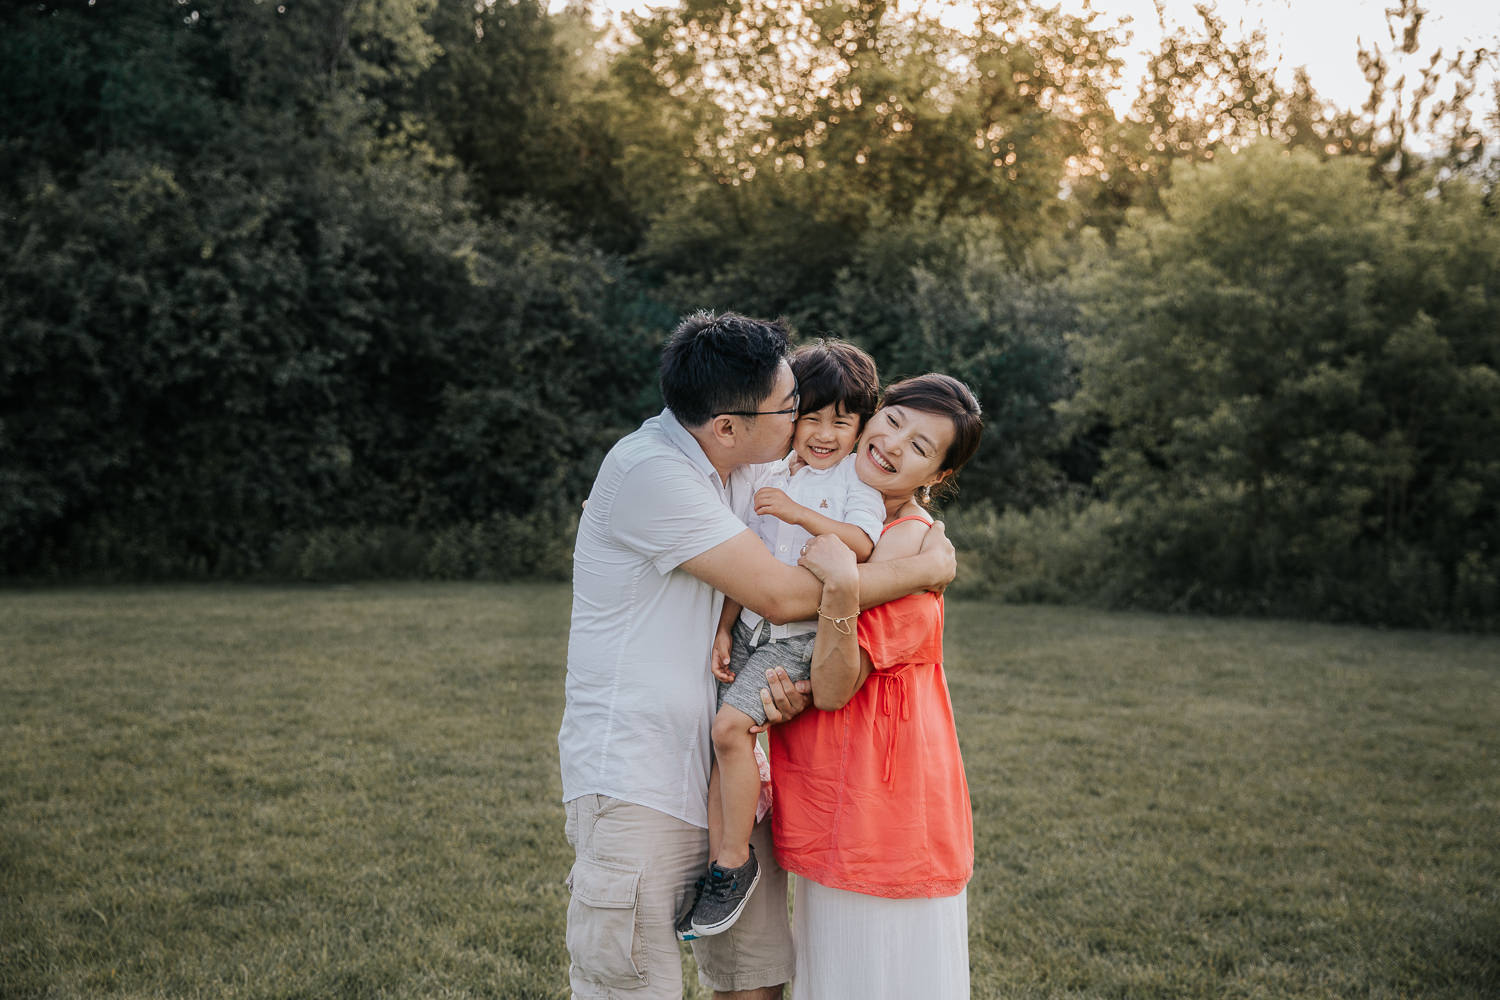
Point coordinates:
[[639, 693]]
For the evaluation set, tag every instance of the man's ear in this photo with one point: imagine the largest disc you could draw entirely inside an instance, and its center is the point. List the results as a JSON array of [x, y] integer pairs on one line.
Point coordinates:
[[723, 430]]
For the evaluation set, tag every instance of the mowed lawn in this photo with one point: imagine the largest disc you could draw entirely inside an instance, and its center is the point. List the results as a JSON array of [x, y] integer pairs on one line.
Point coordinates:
[[352, 792]]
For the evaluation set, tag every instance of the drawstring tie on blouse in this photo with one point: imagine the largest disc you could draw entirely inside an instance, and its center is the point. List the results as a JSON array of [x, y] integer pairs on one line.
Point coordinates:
[[894, 703]]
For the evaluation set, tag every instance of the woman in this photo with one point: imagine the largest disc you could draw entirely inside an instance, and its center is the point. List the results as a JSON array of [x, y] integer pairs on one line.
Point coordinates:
[[872, 810]]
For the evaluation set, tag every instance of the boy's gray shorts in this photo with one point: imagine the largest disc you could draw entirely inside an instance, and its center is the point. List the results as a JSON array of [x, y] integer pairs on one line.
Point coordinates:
[[750, 666]]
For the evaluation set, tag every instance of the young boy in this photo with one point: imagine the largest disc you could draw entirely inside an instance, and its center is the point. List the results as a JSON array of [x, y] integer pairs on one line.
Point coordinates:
[[813, 491]]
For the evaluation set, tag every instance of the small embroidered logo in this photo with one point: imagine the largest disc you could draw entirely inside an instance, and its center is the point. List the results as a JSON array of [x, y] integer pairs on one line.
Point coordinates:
[[824, 505]]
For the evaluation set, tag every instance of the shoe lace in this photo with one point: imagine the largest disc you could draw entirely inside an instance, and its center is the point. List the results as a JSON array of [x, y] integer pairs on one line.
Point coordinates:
[[721, 886]]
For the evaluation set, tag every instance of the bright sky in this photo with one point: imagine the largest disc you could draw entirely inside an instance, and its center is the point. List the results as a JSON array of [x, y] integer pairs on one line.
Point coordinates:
[[1323, 35]]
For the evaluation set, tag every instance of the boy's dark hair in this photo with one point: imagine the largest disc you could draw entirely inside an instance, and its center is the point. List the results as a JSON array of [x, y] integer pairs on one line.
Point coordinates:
[[835, 371], [718, 363], [945, 396]]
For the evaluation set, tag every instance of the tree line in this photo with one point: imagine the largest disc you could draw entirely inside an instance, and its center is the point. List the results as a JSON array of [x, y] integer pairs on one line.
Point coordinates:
[[320, 288]]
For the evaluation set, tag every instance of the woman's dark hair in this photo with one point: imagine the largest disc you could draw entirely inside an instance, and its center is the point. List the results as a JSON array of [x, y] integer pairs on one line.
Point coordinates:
[[946, 396], [836, 372], [715, 364]]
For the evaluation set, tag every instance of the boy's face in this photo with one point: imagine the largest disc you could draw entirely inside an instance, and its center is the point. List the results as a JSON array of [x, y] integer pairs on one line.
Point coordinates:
[[823, 437]]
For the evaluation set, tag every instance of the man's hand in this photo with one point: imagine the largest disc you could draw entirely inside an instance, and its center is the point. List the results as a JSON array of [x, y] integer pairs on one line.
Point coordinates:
[[770, 500], [782, 699], [719, 662], [944, 557]]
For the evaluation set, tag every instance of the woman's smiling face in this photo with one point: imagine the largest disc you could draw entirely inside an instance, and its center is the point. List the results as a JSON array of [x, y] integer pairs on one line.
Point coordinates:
[[902, 449]]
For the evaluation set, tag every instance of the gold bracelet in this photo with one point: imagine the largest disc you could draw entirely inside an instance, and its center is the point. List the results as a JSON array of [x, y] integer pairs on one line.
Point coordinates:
[[842, 624]]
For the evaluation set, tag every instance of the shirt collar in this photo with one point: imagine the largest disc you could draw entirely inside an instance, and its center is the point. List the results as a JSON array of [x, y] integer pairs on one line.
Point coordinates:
[[785, 465], [677, 434]]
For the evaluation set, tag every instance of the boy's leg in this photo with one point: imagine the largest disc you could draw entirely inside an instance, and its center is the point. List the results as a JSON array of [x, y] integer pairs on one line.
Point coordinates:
[[715, 809], [739, 786], [733, 873], [756, 952]]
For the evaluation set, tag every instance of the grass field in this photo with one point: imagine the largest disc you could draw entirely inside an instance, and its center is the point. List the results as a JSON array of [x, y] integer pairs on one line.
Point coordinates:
[[352, 792]]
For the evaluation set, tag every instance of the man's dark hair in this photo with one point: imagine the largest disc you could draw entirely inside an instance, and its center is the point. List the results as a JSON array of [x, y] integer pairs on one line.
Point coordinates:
[[715, 364], [835, 371]]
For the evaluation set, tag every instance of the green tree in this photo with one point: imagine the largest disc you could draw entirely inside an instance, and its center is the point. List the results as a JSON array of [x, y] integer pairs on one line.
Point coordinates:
[[281, 314], [518, 98], [1299, 371], [928, 297], [772, 136]]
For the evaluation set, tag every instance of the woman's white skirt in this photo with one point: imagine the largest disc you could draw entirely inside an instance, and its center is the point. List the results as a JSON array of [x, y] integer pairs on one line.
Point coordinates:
[[860, 947]]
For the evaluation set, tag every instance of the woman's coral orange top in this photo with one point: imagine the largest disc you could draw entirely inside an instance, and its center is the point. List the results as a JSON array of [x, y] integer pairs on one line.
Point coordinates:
[[871, 797]]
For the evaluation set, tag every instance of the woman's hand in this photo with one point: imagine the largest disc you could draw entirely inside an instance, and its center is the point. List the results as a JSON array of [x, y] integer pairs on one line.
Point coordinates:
[[830, 560]]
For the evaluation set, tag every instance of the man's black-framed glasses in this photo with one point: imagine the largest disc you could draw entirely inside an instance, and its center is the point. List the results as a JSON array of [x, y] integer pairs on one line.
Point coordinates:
[[791, 410]]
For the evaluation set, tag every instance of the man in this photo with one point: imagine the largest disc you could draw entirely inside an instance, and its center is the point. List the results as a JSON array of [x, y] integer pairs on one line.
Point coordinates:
[[661, 540]]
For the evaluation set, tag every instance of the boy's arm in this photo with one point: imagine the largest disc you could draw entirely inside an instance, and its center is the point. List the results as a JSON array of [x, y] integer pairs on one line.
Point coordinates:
[[773, 501], [732, 609], [724, 641], [851, 535]]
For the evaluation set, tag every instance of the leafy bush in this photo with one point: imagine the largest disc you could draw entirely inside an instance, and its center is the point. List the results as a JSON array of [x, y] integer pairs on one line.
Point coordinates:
[[926, 295], [284, 325], [1062, 554], [538, 545], [1298, 371]]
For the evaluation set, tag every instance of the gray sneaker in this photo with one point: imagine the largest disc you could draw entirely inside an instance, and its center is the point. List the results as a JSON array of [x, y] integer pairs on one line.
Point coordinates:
[[724, 896], [683, 922]]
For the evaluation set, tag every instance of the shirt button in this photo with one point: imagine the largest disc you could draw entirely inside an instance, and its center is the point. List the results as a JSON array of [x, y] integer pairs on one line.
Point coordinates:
[[783, 548]]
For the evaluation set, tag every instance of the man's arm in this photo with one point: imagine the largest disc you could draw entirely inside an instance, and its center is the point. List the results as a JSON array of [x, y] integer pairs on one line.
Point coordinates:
[[744, 570]]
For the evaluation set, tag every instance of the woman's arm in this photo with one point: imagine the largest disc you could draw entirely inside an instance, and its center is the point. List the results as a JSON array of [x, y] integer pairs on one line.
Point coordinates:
[[901, 541], [839, 666]]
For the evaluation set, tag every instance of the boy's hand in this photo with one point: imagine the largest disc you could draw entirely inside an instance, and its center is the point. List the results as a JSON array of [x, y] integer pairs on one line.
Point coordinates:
[[719, 662], [770, 500]]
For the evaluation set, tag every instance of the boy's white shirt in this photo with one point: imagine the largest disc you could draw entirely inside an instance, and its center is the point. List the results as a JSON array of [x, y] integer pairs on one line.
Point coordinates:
[[836, 492]]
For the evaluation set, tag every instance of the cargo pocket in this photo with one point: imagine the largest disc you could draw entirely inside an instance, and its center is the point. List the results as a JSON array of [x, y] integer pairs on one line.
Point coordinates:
[[601, 922]]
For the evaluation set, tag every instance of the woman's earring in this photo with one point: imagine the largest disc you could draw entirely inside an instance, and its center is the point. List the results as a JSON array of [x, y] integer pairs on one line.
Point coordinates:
[[926, 496]]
